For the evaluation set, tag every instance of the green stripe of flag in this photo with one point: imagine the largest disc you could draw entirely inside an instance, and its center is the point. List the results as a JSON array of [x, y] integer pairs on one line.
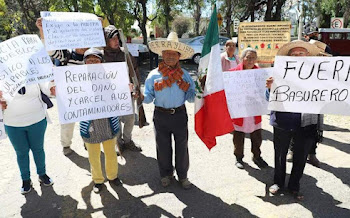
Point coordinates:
[[212, 36]]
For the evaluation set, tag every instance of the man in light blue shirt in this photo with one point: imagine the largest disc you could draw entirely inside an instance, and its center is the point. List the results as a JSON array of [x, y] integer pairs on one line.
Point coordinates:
[[169, 86]]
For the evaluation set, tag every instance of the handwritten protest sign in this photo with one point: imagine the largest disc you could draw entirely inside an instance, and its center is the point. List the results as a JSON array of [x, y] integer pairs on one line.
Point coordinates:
[[245, 92], [133, 49], [94, 91], [2, 127], [68, 30], [265, 37], [23, 60], [315, 85]]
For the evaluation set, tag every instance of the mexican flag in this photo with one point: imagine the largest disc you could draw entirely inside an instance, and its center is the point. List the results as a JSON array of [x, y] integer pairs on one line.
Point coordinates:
[[212, 117]]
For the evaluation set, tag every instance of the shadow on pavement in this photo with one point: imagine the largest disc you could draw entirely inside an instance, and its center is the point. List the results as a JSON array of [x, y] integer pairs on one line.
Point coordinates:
[[140, 169], [341, 173], [318, 202], [344, 147], [49, 204], [327, 127]]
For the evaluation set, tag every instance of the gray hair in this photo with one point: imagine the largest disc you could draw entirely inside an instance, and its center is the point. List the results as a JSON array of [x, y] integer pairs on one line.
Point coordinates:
[[245, 51]]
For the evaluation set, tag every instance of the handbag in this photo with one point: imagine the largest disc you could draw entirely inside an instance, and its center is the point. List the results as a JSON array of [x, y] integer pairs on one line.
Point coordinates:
[[47, 100]]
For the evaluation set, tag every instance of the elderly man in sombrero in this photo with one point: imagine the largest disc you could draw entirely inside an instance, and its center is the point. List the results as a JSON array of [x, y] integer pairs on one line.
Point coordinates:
[[169, 86], [299, 128]]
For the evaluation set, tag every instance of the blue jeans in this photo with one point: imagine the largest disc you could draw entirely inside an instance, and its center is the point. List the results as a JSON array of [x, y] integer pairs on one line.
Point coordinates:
[[28, 138]]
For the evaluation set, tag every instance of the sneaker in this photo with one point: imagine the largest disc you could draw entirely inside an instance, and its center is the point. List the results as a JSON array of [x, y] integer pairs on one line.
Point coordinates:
[[26, 187], [274, 189], [67, 151], [97, 188], [313, 160], [44, 179], [166, 181], [260, 162], [290, 156], [115, 182], [132, 147], [186, 184], [239, 164]]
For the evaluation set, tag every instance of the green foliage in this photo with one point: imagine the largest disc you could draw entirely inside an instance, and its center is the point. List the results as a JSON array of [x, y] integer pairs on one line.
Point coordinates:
[[181, 25]]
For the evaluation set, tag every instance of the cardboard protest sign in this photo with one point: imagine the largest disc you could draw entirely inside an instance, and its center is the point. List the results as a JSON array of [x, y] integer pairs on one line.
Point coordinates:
[[318, 85], [68, 30], [93, 91], [2, 127], [133, 49], [23, 60], [245, 92], [265, 37]]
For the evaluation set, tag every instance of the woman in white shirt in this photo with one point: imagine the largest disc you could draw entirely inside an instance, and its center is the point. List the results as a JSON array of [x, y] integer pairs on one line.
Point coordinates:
[[25, 124]]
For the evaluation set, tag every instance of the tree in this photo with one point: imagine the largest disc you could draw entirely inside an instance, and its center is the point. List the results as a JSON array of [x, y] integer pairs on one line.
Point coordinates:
[[227, 7], [168, 9], [197, 7], [274, 10], [181, 25], [140, 14], [334, 8]]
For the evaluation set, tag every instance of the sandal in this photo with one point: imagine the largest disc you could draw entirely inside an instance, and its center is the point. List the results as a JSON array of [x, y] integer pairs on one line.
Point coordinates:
[[297, 195], [274, 189]]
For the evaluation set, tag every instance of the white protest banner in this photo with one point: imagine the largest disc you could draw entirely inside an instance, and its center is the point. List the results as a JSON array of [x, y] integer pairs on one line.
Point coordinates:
[[23, 60], [2, 127], [93, 91], [245, 92], [318, 85], [133, 49], [68, 30]]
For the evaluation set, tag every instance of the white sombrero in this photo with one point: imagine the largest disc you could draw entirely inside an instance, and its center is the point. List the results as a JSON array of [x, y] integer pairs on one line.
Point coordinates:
[[171, 43], [311, 48]]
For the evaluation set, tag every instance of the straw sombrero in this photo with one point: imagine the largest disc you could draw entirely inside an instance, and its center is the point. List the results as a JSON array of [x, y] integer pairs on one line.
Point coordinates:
[[311, 48], [321, 46], [171, 43]]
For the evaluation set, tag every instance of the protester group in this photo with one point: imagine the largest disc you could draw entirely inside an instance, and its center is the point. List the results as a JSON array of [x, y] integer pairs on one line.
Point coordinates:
[[168, 86]]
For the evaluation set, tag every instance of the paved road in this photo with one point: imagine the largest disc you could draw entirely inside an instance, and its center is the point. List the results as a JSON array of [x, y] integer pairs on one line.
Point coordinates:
[[221, 190]]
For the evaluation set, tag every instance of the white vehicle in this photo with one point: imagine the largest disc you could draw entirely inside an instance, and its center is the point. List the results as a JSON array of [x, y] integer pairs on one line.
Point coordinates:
[[197, 44]]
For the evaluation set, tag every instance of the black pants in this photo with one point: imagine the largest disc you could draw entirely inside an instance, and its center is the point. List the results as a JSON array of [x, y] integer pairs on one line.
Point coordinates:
[[166, 125], [314, 144], [153, 57], [303, 140]]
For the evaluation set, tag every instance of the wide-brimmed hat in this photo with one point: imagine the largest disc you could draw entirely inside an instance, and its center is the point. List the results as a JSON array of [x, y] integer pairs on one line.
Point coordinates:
[[171, 44], [311, 48], [321, 46]]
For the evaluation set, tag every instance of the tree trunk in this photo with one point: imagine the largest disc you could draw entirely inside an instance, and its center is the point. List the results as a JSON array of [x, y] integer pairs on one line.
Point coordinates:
[[167, 16], [143, 24], [277, 16], [268, 13], [75, 6], [228, 17], [197, 16], [252, 10]]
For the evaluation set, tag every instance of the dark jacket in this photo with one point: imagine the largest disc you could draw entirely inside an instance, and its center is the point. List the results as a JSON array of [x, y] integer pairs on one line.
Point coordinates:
[[284, 120]]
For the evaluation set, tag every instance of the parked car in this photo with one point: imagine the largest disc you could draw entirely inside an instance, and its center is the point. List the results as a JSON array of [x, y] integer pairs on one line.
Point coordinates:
[[197, 44], [337, 39]]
